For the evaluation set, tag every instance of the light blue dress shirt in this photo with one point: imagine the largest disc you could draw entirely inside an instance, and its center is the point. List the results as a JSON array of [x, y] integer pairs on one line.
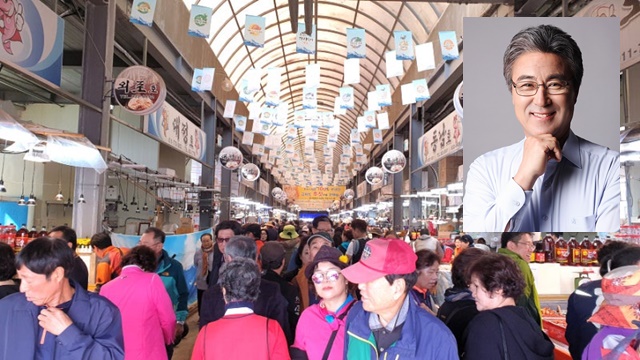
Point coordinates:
[[579, 193]]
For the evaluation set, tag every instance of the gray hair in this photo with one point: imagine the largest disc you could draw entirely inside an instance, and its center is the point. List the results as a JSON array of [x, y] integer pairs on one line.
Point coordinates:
[[545, 39], [241, 247], [240, 279]]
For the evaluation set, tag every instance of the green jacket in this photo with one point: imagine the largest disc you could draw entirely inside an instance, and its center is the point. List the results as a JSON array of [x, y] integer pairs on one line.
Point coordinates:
[[529, 299]]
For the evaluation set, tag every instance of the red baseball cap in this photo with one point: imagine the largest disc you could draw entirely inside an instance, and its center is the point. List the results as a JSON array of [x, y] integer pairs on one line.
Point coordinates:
[[382, 257]]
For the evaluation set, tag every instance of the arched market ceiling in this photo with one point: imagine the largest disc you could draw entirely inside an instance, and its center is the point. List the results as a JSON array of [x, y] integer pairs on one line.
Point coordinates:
[[379, 18]]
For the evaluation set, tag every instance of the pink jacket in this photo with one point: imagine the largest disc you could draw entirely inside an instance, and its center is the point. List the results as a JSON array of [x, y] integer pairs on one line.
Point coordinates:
[[148, 320], [313, 333]]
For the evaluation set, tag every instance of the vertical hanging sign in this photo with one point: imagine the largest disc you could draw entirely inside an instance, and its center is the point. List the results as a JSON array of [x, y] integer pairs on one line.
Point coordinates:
[[305, 44], [448, 45], [142, 12], [356, 44], [404, 45], [254, 31], [200, 21]]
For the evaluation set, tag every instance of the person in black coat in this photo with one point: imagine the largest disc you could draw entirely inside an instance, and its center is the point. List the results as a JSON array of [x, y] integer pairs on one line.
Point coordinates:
[[223, 232], [270, 302], [272, 259], [501, 330], [459, 306], [79, 273], [7, 271]]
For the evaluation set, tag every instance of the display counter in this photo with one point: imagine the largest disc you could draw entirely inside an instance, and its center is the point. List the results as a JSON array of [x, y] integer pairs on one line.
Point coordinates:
[[554, 279]]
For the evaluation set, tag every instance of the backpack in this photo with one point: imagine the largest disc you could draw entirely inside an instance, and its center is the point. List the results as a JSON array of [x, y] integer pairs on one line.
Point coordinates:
[[359, 248]]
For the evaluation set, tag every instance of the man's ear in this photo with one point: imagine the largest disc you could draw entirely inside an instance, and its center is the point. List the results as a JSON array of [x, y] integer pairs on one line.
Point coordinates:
[[511, 246], [58, 274], [398, 288]]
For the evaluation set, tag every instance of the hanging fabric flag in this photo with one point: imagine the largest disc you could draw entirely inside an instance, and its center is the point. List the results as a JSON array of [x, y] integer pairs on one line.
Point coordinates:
[[305, 44], [299, 118], [368, 146], [372, 101], [326, 151], [273, 86], [313, 136], [383, 121], [362, 125], [346, 97], [142, 12], [404, 45], [370, 119], [200, 21], [267, 115], [245, 95], [292, 132], [354, 136], [357, 148], [257, 149], [254, 30], [313, 119], [351, 71], [288, 147], [196, 80], [448, 45], [421, 90], [207, 79], [254, 111], [247, 138], [377, 136], [265, 129], [356, 44], [326, 118], [336, 127], [282, 114], [241, 122], [424, 57], [384, 95], [309, 99], [229, 109], [337, 109], [408, 94], [253, 77], [394, 66], [312, 75]]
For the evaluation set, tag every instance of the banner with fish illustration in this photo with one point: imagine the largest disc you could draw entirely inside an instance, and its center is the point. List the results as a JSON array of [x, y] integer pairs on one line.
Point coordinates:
[[183, 247], [254, 30], [404, 45], [448, 45], [142, 12], [32, 38], [356, 44]]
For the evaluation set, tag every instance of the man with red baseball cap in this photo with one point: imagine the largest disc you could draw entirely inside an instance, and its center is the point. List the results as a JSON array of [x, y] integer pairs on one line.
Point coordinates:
[[387, 324]]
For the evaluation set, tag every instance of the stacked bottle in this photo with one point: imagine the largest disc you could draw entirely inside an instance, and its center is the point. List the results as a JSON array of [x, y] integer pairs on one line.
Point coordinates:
[[562, 252], [43, 231], [21, 238]]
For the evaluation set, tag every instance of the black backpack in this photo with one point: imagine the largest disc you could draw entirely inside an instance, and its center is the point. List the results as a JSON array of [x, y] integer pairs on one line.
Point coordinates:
[[358, 254]]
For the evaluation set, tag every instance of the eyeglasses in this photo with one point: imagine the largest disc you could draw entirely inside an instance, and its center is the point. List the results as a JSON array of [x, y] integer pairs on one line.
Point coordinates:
[[530, 88], [330, 276], [220, 240], [530, 245], [326, 230]]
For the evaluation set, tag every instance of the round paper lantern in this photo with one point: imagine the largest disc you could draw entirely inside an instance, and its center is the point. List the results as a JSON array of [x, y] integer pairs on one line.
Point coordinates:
[[349, 194], [230, 158], [374, 175], [393, 161], [250, 172]]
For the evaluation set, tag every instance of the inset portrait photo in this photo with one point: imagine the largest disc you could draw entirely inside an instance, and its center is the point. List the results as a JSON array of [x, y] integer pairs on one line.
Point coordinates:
[[541, 118]]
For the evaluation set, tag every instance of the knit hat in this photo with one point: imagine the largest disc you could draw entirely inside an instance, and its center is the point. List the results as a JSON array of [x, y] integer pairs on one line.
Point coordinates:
[[621, 290], [272, 252], [326, 253], [382, 257], [289, 232]]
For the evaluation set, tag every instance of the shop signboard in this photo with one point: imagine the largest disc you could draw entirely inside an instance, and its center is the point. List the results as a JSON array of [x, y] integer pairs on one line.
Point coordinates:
[[263, 187], [32, 38], [182, 246], [311, 198], [362, 189], [443, 139], [139, 90], [172, 128], [629, 26]]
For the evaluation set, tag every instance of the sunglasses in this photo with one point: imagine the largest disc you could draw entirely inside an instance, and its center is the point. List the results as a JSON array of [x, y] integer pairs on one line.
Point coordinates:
[[330, 276], [221, 240]]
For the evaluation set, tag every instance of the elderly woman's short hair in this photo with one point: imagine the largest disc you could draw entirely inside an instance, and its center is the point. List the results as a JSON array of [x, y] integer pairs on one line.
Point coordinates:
[[498, 272], [240, 246], [141, 256], [240, 278]]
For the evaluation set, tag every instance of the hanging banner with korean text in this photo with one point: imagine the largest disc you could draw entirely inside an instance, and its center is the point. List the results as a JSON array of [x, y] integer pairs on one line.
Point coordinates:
[[254, 30], [313, 198], [142, 12], [448, 45], [305, 44], [404, 45], [200, 21], [356, 44], [172, 128], [443, 139]]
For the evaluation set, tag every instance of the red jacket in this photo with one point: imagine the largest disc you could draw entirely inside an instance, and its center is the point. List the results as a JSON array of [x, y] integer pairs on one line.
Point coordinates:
[[241, 336]]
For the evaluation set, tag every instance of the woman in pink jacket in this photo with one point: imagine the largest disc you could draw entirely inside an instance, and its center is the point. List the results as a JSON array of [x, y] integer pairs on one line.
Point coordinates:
[[148, 320]]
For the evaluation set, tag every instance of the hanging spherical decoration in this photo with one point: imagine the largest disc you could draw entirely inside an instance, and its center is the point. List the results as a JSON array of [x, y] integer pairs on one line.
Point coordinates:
[[393, 161], [374, 175], [230, 158], [276, 192], [349, 194], [250, 172]]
